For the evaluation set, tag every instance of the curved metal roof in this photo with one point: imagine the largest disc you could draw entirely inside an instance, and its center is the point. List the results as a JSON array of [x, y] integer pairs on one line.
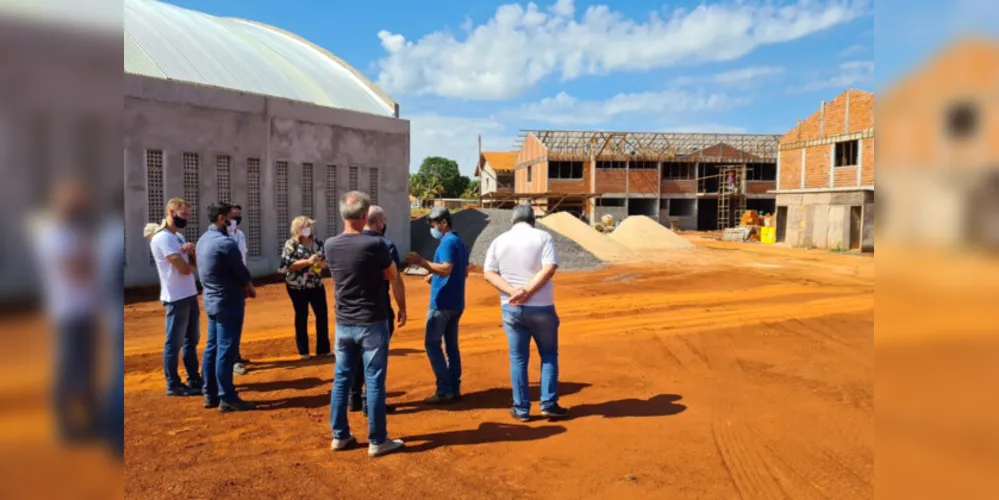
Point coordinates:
[[173, 43]]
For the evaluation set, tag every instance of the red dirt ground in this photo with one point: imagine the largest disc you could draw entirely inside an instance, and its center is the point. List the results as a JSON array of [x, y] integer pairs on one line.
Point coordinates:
[[730, 371]]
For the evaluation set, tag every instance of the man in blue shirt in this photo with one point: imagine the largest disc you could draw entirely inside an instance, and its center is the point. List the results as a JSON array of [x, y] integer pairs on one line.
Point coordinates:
[[226, 282], [447, 301]]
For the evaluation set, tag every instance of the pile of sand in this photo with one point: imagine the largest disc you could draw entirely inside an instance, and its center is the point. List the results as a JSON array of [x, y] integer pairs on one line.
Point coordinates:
[[641, 233], [590, 239]]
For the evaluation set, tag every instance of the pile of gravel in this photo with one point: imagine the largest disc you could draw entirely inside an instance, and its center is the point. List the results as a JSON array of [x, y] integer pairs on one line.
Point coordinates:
[[479, 227]]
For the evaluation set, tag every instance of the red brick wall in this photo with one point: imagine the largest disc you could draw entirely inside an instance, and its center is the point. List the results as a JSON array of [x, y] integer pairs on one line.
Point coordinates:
[[760, 187], [845, 177], [830, 122], [532, 149], [610, 181], [817, 166], [569, 186], [643, 181], [790, 169], [867, 159], [677, 187]]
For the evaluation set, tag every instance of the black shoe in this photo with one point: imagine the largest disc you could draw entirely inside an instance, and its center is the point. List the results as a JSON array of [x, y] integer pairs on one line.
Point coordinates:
[[518, 417], [389, 409], [243, 361], [439, 399], [183, 391], [555, 412], [211, 403], [236, 405], [356, 403]]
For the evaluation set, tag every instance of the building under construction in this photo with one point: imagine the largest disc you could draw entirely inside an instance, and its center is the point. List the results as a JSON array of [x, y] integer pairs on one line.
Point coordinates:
[[689, 180]]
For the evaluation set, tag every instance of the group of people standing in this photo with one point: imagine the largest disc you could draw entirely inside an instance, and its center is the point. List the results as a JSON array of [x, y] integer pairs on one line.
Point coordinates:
[[366, 271]]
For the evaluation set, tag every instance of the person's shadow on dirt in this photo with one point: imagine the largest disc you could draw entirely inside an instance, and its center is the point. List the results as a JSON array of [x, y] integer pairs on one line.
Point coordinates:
[[490, 399], [311, 401], [302, 384], [291, 364], [658, 406], [487, 432]]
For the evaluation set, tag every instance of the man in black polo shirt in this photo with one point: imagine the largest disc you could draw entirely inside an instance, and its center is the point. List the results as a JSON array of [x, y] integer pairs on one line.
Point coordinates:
[[376, 226], [359, 264]]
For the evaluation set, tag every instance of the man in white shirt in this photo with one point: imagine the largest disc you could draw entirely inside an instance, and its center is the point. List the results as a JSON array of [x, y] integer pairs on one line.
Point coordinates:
[[235, 219], [175, 264], [520, 263]]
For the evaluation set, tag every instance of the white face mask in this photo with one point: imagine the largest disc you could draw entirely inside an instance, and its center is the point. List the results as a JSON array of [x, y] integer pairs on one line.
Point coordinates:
[[307, 232]]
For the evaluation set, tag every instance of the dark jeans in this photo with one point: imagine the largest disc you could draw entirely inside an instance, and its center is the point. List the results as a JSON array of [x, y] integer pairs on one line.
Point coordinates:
[[74, 397], [357, 386], [443, 325], [371, 342], [521, 325], [301, 300], [114, 419], [182, 335], [224, 331]]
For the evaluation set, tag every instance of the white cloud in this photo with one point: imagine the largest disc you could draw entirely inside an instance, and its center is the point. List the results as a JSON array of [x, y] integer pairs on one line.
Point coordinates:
[[520, 46], [852, 50], [740, 78], [563, 109], [706, 128], [848, 74], [455, 137]]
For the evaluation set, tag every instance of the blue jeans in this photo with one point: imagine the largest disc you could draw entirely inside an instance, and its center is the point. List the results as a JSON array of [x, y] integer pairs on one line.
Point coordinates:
[[521, 325], [74, 395], [224, 332], [182, 328], [368, 343], [114, 420], [443, 325]]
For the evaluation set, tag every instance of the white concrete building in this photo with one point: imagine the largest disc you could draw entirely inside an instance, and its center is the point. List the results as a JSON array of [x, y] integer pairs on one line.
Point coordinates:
[[234, 110]]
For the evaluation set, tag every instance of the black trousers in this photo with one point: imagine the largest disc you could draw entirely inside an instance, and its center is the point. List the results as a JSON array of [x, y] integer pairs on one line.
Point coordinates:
[[301, 300], [357, 383]]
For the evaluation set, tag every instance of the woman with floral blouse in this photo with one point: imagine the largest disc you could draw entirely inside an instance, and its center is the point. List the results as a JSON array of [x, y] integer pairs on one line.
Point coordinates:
[[302, 262]]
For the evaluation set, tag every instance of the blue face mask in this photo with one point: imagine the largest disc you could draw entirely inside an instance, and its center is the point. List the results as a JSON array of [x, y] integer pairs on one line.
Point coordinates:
[[436, 233]]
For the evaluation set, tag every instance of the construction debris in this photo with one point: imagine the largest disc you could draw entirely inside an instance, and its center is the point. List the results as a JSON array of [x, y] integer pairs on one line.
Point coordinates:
[[479, 227]]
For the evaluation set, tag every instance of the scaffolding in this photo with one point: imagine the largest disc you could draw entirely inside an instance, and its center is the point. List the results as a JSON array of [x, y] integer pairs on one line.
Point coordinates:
[[731, 194], [655, 146]]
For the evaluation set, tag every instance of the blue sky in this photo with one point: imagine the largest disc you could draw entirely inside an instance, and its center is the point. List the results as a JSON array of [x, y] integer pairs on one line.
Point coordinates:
[[461, 69]]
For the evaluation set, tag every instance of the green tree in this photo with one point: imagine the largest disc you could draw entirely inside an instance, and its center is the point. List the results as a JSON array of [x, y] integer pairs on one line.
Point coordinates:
[[472, 191], [446, 171]]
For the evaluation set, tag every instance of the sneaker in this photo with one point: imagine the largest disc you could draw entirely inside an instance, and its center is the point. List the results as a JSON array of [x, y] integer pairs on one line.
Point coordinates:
[[183, 391], [306, 357], [555, 412], [517, 416], [356, 403], [211, 403], [343, 444], [438, 399], [236, 405], [243, 361], [238, 369], [378, 450]]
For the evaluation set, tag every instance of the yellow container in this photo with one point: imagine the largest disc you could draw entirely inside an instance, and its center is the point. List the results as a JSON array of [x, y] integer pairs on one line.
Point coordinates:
[[768, 235]]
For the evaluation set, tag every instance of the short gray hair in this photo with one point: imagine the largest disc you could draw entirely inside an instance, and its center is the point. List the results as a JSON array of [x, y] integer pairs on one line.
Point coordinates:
[[376, 215], [354, 205], [522, 213]]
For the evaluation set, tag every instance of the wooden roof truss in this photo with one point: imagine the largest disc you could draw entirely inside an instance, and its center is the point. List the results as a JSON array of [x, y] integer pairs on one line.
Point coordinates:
[[656, 146]]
